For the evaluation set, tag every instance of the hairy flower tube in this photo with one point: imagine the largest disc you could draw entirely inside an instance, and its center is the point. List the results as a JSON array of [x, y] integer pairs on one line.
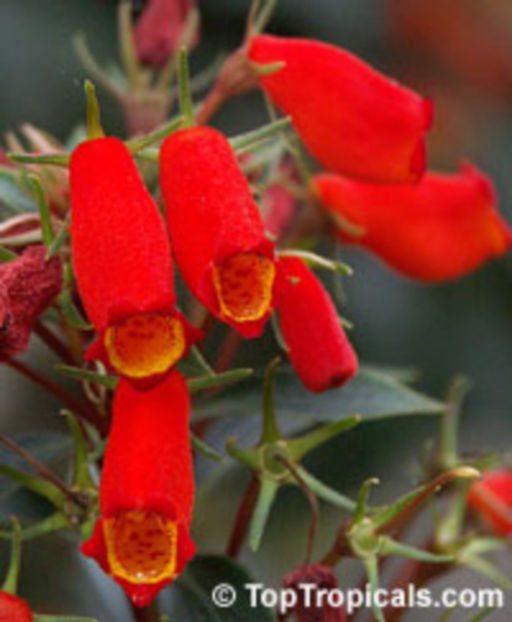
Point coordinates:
[[318, 348], [123, 266], [147, 490], [491, 497], [14, 609], [217, 233], [159, 30], [354, 120], [28, 285], [439, 229]]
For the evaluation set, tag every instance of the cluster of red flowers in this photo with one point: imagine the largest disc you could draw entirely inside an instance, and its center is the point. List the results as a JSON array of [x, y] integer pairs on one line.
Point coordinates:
[[370, 132]]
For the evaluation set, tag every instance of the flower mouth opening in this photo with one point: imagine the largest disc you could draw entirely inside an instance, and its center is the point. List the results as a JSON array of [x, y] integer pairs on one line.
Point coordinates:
[[243, 284], [141, 546], [145, 345]]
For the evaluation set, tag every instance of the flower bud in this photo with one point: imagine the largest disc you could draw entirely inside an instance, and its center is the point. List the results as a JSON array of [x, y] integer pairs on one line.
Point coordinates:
[[491, 497], [318, 348], [159, 30]]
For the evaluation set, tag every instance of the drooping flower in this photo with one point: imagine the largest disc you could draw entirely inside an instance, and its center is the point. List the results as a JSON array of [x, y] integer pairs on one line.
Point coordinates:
[[439, 229], [317, 607], [159, 30], [354, 120], [217, 233], [28, 285], [123, 266], [318, 348], [146, 491], [14, 609], [491, 497]]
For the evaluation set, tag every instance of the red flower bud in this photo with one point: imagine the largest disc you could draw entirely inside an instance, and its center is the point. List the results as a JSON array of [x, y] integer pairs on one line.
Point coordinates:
[[318, 348], [354, 120], [159, 29], [28, 285], [439, 229], [123, 265], [492, 498], [14, 609], [216, 229], [320, 609], [146, 491]]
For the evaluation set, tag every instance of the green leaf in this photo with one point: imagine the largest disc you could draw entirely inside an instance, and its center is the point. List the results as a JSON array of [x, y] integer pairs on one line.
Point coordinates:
[[70, 312], [369, 394], [6, 255], [190, 597], [302, 445], [317, 261], [217, 380], [249, 140], [89, 376], [205, 449], [47, 447], [326, 492], [44, 210], [59, 239], [35, 484], [389, 546], [54, 159], [267, 494]]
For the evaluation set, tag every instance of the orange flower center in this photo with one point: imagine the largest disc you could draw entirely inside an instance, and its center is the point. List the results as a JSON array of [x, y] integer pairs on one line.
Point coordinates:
[[243, 284], [144, 345], [141, 546]]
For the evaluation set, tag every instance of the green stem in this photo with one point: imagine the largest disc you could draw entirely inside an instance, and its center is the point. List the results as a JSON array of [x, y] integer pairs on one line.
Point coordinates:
[[186, 105]]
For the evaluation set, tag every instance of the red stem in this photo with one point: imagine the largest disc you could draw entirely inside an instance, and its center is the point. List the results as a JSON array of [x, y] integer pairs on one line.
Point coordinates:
[[78, 407], [53, 342]]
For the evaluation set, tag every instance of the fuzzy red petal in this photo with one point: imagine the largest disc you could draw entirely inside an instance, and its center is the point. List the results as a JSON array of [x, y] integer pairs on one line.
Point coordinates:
[[492, 498], [211, 213], [354, 120], [14, 609], [318, 348], [159, 28], [28, 285], [439, 229], [121, 253]]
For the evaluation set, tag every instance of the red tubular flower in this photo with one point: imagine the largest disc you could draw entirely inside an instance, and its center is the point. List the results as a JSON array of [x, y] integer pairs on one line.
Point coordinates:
[[14, 609], [28, 285], [123, 265], [217, 233], [491, 497], [439, 229], [354, 120], [159, 28], [146, 490], [318, 348]]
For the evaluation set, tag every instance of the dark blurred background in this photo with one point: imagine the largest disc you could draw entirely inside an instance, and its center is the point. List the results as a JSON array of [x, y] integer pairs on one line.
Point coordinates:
[[459, 52]]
